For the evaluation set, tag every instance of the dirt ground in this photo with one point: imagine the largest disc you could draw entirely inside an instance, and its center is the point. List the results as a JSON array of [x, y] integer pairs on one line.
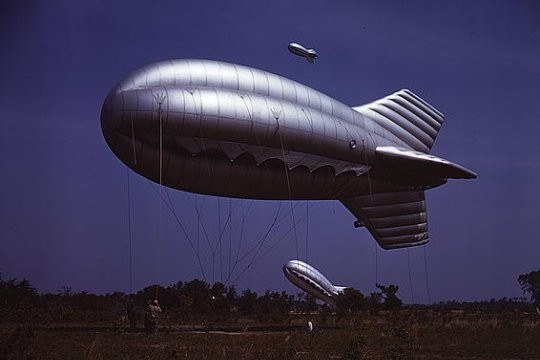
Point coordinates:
[[424, 336]]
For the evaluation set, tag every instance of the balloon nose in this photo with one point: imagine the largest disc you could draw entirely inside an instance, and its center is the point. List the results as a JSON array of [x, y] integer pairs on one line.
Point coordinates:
[[110, 115], [113, 120]]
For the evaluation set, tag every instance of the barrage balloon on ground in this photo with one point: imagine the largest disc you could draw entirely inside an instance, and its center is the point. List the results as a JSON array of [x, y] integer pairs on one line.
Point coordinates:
[[312, 281], [229, 130]]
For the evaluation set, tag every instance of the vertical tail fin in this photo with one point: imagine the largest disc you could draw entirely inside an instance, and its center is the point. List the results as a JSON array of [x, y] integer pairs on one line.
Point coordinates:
[[406, 116]]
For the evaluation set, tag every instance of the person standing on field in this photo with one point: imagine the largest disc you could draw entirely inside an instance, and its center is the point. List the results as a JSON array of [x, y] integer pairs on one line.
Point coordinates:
[[151, 317]]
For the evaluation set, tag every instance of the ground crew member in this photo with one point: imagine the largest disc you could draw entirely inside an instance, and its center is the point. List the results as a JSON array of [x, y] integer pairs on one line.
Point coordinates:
[[152, 314]]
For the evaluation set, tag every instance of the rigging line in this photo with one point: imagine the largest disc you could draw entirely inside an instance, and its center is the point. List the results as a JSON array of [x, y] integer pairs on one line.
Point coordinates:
[[244, 215], [349, 135], [307, 235], [267, 250], [170, 205], [307, 229], [159, 99], [130, 235], [201, 223], [133, 138], [376, 263], [205, 153], [200, 130], [220, 233], [426, 274], [259, 244], [273, 245], [230, 238], [290, 194], [410, 277], [371, 200], [369, 171], [239, 246], [198, 237], [286, 215], [310, 122], [188, 238], [220, 237], [280, 239]]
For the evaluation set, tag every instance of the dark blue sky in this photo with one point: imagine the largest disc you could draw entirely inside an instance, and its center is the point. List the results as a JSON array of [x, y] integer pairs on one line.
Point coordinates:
[[64, 204]]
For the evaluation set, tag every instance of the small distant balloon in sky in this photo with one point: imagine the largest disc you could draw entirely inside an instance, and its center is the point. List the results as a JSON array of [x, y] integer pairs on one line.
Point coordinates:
[[299, 50]]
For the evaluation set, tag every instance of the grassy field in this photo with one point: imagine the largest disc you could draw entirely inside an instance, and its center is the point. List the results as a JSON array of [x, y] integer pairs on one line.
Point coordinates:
[[393, 335]]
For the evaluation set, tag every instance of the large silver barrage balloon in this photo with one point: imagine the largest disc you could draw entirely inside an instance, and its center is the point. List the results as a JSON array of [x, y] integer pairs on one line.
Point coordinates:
[[231, 130]]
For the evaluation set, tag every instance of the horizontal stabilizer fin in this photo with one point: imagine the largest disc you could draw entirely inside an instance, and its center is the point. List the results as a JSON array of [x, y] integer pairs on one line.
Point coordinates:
[[418, 165], [396, 219]]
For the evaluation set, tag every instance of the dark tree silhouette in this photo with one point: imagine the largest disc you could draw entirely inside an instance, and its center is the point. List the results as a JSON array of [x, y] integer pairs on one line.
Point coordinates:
[[350, 300], [388, 293], [199, 292], [247, 301], [530, 283], [13, 291]]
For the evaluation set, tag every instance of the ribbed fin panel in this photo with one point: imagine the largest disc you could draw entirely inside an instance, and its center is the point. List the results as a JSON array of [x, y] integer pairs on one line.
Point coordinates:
[[395, 220], [406, 116]]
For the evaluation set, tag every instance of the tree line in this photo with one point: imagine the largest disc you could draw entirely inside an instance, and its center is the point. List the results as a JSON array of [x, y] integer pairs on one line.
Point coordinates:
[[186, 301], [195, 298]]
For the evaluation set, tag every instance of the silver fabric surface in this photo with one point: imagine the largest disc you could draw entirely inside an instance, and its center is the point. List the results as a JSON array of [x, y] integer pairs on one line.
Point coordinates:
[[230, 130], [309, 279]]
